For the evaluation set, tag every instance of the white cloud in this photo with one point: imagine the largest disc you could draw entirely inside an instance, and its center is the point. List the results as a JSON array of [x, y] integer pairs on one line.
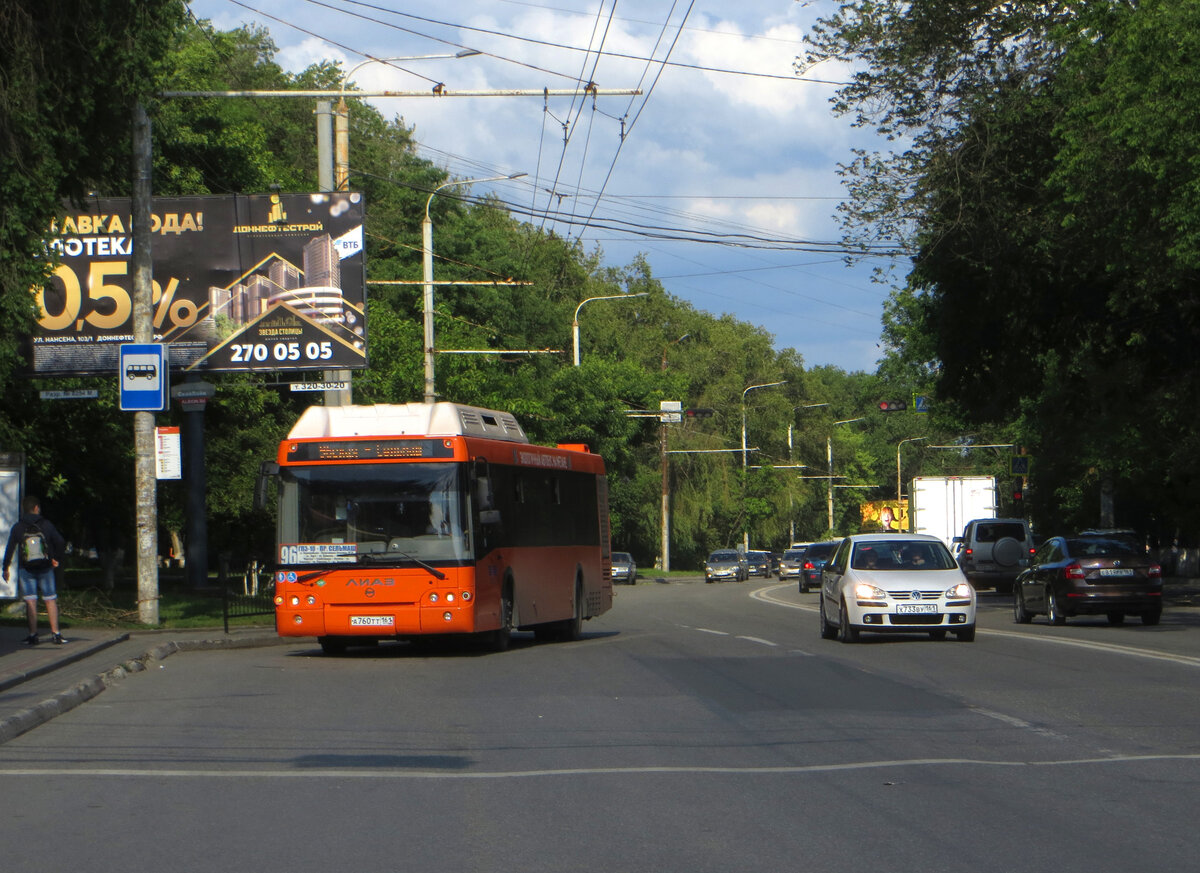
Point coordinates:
[[709, 150]]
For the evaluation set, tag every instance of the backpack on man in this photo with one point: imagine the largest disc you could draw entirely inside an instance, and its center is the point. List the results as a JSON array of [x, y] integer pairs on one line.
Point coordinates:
[[35, 551]]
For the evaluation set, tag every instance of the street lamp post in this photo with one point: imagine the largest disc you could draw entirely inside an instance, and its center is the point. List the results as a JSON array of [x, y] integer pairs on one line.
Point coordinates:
[[427, 263], [829, 458], [666, 493], [575, 320], [898, 445], [791, 517], [745, 531]]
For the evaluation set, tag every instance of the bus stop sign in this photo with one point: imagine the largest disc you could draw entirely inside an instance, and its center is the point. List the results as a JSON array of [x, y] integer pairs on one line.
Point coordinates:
[[143, 377]]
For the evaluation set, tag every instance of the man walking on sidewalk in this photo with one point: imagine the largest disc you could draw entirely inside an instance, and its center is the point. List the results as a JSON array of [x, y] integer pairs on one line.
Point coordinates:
[[38, 545]]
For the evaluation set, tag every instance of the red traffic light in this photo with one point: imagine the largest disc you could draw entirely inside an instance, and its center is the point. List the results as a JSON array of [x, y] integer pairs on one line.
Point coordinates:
[[892, 406]]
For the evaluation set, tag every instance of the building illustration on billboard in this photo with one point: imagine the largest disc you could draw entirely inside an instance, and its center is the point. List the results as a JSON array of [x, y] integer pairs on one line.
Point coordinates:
[[221, 266]]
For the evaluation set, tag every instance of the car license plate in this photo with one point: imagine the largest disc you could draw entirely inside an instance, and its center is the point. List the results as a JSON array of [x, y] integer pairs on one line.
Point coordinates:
[[1116, 571], [919, 608], [372, 620]]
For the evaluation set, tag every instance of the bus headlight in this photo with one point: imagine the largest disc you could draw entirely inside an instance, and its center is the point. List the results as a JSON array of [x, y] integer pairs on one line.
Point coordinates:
[[447, 616]]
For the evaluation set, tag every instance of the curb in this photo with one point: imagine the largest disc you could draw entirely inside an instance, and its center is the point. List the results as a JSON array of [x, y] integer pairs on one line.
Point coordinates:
[[78, 654], [28, 719]]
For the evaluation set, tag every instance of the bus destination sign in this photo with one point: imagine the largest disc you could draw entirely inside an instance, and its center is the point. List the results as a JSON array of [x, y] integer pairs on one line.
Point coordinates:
[[368, 450]]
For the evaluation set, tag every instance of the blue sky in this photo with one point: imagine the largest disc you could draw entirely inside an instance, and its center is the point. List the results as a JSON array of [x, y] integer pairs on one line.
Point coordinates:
[[725, 178]]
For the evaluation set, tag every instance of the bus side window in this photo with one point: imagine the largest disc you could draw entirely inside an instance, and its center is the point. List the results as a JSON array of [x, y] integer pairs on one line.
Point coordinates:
[[484, 498]]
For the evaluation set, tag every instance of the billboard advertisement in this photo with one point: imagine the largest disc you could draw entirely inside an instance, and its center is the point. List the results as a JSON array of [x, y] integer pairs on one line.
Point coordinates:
[[889, 515], [241, 283]]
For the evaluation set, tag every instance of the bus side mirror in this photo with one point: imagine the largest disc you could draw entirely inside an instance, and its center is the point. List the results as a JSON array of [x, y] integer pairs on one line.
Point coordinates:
[[267, 471]]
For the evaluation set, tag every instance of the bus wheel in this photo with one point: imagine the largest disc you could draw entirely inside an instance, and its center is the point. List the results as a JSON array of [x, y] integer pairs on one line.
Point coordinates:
[[332, 645], [502, 636]]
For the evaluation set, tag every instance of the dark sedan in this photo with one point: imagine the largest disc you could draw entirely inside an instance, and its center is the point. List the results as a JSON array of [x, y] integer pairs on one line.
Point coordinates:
[[815, 557], [759, 564], [1089, 574]]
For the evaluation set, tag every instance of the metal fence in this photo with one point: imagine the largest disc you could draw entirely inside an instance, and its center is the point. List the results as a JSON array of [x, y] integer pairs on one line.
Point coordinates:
[[253, 593]]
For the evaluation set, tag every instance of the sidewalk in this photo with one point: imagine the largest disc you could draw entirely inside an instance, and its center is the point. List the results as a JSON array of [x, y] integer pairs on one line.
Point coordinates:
[[40, 682]]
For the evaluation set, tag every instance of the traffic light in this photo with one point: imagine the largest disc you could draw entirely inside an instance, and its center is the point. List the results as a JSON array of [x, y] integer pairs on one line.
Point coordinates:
[[1018, 492], [892, 405], [701, 412]]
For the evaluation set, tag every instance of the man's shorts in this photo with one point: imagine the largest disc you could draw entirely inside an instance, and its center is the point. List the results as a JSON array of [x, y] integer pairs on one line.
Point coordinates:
[[31, 583]]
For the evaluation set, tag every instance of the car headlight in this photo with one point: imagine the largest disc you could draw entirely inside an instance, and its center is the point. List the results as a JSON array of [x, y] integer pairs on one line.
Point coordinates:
[[863, 591], [959, 591]]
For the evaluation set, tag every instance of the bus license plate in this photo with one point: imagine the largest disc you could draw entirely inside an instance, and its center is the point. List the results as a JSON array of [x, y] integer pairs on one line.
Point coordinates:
[[372, 620], [920, 608]]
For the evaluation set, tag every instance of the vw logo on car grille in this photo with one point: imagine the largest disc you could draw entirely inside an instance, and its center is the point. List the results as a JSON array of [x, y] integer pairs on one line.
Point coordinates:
[[916, 595]]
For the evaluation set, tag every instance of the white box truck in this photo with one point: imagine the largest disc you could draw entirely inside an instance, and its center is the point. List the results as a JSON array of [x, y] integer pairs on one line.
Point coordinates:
[[942, 505]]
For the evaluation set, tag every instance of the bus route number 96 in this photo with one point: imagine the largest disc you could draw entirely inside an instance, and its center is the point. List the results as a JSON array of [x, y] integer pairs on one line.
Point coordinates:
[[249, 353]]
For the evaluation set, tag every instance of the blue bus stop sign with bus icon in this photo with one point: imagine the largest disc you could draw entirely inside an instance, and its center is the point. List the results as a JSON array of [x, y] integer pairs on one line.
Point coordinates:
[[143, 377]]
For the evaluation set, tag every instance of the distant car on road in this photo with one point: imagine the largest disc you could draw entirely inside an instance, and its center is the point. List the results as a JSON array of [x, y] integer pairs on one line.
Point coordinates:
[[895, 583], [759, 564], [789, 564], [624, 569], [815, 557], [726, 565], [1089, 574]]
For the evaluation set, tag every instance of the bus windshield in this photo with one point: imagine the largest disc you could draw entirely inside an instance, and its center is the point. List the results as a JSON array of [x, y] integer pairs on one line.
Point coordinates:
[[373, 514]]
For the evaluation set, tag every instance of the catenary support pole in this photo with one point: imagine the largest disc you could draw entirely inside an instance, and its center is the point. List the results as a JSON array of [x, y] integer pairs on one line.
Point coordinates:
[[145, 481]]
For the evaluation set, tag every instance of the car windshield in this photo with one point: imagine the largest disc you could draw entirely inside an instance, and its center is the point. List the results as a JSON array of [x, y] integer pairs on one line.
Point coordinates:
[[793, 555], [721, 557], [895, 554], [622, 558]]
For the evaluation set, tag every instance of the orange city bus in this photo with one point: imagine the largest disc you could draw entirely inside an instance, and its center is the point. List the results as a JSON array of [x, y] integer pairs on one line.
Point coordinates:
[[400, 521]]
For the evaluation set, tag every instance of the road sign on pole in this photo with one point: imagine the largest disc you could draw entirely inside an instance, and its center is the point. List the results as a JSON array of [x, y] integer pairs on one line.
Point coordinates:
[[143, 377]]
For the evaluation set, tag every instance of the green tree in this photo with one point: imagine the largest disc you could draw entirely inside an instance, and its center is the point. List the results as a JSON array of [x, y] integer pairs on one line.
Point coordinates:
[[1047, 195]]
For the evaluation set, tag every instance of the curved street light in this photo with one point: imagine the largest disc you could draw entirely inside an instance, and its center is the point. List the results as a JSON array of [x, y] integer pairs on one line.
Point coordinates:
[[427, 270], [829, 457], [898, 445], [746, 533], [791, 517], [575, 320]]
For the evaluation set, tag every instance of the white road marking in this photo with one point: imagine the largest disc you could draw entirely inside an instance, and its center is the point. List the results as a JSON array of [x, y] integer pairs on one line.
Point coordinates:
[[758, 640], [378, 774]]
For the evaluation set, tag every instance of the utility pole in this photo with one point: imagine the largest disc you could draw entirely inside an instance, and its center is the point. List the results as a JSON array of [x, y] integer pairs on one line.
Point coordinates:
[[145, 477], [327, 182]]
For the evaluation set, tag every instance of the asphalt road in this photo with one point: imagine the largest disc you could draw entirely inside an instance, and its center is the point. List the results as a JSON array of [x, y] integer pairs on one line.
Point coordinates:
[[694, 728]]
